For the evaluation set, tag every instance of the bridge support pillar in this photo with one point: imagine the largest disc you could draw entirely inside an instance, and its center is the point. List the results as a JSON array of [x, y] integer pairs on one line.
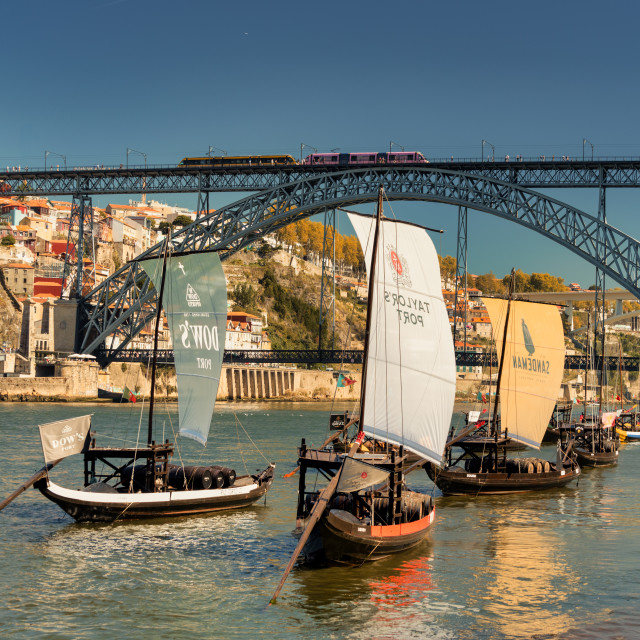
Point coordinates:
[[619, 310], [461, 274]]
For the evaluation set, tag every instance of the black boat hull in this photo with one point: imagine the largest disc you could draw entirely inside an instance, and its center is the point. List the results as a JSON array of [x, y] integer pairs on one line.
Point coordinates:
[[86, 506], [586, 458], [461, 482], [343, 539]]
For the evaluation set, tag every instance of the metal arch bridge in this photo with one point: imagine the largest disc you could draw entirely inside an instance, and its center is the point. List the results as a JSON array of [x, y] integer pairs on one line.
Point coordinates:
[[123, 303]]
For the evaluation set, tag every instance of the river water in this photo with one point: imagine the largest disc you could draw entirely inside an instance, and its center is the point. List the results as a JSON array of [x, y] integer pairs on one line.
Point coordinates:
[[562, 564]]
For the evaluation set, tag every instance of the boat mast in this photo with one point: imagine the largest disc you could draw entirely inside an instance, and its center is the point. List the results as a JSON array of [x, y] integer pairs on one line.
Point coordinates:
[[586, 369], [155, 343], [367, 331], [501, 363]]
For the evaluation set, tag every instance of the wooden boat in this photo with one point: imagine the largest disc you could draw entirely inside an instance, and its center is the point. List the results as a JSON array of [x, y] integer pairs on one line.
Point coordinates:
[[595, 440], [366, 511], [140, 482], [627, 425], [361, 526], [596, 446], [531, 362]]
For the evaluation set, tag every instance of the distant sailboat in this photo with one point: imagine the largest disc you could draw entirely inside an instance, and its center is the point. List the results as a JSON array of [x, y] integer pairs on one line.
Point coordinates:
[[530, 344], [139, 481]]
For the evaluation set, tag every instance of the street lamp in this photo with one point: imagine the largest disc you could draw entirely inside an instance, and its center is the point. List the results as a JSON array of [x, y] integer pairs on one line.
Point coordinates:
[[302, 146], [391, 143], [493, 150], [224, 153], [48, 153], [585, 141], [134, 151]]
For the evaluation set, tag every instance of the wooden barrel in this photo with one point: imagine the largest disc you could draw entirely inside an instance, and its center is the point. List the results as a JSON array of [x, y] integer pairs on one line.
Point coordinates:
[[139, 473], [216, 477], [228, 475], [190, 477]]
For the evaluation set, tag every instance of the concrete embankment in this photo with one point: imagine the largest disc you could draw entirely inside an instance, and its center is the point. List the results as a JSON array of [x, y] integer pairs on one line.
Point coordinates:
[[79, 381]]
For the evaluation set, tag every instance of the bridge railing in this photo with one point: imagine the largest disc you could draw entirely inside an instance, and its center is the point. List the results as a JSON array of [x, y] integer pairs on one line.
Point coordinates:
[[328, 356]]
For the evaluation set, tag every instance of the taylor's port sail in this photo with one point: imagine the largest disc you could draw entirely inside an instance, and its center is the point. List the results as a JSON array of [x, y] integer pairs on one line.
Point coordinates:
[[532, 368], [411, 372], [195, 304]]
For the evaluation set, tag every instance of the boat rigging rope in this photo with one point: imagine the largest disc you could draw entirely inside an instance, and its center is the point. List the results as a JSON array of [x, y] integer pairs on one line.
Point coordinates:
[[238, 422]]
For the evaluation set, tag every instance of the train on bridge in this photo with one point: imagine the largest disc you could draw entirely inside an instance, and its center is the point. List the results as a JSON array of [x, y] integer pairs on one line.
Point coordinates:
[[315, 159]]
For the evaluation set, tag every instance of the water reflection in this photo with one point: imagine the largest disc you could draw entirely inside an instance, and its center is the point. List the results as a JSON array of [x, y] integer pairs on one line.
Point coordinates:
[[385, 599]]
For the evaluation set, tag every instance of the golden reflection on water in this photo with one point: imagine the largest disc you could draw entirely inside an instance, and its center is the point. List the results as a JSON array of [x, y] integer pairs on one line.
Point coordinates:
[[526, 576]]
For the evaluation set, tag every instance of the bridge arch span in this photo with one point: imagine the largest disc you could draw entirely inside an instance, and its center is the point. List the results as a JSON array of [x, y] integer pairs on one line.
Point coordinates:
[[123, 302]]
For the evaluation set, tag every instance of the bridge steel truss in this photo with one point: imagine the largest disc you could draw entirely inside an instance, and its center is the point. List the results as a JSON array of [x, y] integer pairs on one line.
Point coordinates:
[[123, 303], [547, 173]]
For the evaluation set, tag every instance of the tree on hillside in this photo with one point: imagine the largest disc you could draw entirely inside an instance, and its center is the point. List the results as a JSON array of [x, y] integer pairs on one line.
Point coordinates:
[[488, 283], [245, 297], [8, 241], [181, 221], [447, 268], [352, 253], [315, 240], [521, 281], [287, 236], [546, 282], [302, 231]]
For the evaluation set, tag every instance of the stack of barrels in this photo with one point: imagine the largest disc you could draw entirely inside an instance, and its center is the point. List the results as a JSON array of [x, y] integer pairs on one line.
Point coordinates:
[[181, 477], [191, 477]]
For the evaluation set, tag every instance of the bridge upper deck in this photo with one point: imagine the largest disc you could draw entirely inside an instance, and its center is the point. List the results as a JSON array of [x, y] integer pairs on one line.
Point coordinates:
[[525, 172]]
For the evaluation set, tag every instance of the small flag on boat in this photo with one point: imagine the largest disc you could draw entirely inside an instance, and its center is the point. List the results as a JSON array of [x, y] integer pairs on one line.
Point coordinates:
[[127, 394], [344, 381], [356, 475]]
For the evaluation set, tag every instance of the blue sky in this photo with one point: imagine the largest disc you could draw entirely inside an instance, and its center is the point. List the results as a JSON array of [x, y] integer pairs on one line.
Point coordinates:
[[89, 79]]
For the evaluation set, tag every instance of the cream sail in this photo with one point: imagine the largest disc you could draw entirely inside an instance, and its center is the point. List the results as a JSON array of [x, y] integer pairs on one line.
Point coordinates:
[[532, 368], [411, 382]]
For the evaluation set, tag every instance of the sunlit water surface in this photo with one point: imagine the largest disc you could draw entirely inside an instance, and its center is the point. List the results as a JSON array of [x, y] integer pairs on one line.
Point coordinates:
[[562, 564]]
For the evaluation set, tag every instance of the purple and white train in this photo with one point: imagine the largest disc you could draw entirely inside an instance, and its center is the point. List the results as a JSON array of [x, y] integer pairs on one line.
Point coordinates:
[[387, 157]]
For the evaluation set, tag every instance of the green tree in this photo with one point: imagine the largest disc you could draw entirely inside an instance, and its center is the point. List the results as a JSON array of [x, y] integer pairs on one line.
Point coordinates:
[[245, 297], [181, 221], [8, 241]]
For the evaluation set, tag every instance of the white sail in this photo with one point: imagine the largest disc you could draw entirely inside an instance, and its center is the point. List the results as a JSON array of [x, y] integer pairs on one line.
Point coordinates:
[[411, 373]]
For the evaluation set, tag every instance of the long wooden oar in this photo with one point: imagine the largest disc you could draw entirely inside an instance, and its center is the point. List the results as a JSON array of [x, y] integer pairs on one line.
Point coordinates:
[[318, 509], [32, 480]]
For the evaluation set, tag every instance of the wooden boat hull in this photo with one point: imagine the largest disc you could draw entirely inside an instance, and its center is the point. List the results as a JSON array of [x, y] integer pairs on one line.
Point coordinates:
[[457, 481], [341, 538], [88, 506], [586, 458]]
